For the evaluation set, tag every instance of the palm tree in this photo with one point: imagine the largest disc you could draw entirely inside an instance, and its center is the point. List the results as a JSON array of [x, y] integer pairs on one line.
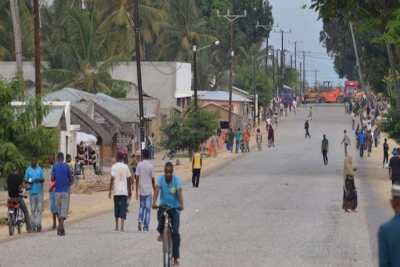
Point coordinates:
[[185, 24], [81, 55], [16, 21]]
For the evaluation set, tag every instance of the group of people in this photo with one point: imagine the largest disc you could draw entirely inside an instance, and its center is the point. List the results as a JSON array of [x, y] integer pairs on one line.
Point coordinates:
[[168, 186], [59, 189]]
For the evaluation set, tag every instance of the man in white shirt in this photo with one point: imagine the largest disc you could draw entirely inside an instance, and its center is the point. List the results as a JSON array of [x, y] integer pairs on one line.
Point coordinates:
[[352, 119], [144, 185], [346, 141], [294, 104], [120, 180]]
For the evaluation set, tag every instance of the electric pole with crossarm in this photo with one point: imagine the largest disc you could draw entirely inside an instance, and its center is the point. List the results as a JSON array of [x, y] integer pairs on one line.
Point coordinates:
[[231, 18]]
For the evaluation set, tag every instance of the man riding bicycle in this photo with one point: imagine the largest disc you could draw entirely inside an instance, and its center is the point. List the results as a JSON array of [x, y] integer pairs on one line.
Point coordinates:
[[170, 186]]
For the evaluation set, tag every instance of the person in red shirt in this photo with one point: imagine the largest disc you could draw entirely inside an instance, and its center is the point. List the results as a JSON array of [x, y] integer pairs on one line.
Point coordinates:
[[246, 137]]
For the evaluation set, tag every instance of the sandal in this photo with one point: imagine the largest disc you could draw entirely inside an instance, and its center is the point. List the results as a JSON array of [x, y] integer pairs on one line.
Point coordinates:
[[52, 229]]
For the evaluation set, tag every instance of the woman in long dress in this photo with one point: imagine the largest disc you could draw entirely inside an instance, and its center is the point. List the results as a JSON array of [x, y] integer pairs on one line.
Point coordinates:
[[349, 188], [270, 136]]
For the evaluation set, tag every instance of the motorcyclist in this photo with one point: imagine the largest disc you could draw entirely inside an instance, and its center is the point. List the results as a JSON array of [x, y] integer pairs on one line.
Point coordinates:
[[13, 184]]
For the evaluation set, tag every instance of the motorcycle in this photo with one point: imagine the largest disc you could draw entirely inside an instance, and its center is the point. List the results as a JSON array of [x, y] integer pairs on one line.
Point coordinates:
[[170, 153], [16, 218]]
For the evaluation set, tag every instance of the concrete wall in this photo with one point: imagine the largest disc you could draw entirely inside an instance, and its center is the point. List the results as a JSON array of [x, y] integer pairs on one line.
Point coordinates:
[[159, 79]]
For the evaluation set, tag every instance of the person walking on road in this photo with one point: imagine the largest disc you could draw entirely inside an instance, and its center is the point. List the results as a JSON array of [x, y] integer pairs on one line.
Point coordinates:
[[61, 175], [238, 135], [246, 136], [346, 142], [357, 133], [394, 167], [259, 140], [52, 194], [352, 116], [361, 141], [231, 138], [294, 104], [271, 139], [197, 163], [389, 234], [145, 185], [310, 113], [324, 149], [385, 154], [120, 183], [169, 186], [35, 177], [369, 143], [377, 136], [349, 188], [306, 127]]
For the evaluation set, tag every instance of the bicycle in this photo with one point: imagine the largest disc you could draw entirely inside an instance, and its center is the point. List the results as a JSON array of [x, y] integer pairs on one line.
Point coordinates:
[[167, 237]]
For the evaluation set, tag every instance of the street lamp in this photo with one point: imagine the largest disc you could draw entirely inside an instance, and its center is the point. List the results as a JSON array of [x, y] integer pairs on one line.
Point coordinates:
[[195, 50]]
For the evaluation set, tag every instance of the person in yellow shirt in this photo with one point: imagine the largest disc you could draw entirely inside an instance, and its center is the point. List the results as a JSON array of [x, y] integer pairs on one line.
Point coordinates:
[[197, 162], [71, 164]]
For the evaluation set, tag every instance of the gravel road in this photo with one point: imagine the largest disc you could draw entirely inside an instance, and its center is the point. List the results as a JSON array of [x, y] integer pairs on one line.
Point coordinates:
[[278, 207]]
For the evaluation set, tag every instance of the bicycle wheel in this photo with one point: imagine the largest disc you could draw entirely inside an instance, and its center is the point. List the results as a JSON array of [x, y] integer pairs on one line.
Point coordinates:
[[11, 224], [167, 247]]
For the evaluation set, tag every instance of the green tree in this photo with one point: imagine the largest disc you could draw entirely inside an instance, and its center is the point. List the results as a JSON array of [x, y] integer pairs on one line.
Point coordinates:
[[19, 139], [209, 7], [292, 77], [190, 130], [185, 23], [244, 80], [80, 58]]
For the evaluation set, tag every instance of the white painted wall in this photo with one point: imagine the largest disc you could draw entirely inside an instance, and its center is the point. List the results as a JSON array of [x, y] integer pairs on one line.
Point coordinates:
[[159, 79]]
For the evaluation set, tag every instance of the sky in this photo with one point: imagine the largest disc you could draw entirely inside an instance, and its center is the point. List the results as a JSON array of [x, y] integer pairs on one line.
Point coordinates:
[[304, 26]]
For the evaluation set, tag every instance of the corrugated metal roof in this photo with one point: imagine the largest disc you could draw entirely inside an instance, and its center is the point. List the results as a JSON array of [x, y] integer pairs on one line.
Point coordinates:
[[53, 118], [67, 94], [125, 110], [221, 96]]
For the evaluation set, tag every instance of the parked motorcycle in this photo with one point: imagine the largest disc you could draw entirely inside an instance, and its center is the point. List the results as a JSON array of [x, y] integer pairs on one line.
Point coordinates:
[[16, 218], [170, 153]]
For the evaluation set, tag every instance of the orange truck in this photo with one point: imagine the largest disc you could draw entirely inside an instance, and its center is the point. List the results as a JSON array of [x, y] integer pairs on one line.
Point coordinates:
[[332, 95]]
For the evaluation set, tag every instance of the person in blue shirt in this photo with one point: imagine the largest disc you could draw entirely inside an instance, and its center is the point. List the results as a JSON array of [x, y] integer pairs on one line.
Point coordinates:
[[169, 186], [361, 141], [389, 234], [61, 174], [34, 176]]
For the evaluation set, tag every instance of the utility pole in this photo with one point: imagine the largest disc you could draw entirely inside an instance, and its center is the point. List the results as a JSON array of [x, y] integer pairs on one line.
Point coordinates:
[[315, 88], [301, 84], [254, 90], [273, 68], [295, 51], [36, 36], [231, 19], [195, 71], [267, 29], [304, 72], [360, 73], [139, 76], [282, 59]]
